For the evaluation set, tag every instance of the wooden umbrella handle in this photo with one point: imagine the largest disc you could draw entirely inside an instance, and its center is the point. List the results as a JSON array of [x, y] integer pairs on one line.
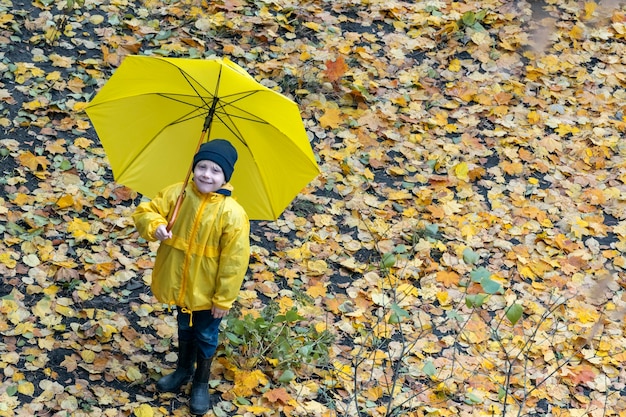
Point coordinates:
[[181, 197]]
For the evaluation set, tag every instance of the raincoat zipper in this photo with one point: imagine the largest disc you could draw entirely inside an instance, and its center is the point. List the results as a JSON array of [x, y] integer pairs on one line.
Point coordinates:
[[196, 223]]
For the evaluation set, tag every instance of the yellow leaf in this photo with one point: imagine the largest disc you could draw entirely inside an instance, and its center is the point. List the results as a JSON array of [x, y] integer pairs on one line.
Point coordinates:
[[526, 272], [440, 119], [320, 327], [65, 201], [533, 117], [317, 267], [313, 26], [79, 229], [144, 410], [79, 106], [61, 61], [32, 162], [397, 171], [26, 388], [106, 332], [20, 199], [42, 308], [461, 170], [54, 76], [56, 147], [7, 258], [374, 393], [247, 381], [32, 105], [399, 195], [481, 38], [590, 8], [65, 310], [6, 18], [83, 142], [455, 65], [332, 118], [451, 128], [317, 290], [88, 355], [443, 297], [577, 33], [133, 374], [408, 289]]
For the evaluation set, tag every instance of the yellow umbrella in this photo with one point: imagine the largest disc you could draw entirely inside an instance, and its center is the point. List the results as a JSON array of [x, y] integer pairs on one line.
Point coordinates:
[[153, 114]]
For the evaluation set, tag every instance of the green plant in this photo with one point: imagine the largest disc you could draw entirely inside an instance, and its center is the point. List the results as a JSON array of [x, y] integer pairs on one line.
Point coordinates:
[[284, 341], [472, 20]]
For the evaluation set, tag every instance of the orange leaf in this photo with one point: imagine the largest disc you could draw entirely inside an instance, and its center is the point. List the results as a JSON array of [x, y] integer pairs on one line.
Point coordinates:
[[447, 278], [32, 162], [278, 394], [512, 168], [503, 98], [333, 304], [125, 193], [335, 69], [436, 211], [145, 263], [582, 374]]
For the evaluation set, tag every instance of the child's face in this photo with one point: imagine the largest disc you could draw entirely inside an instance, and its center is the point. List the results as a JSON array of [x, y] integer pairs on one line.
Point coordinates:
[[208, 176]]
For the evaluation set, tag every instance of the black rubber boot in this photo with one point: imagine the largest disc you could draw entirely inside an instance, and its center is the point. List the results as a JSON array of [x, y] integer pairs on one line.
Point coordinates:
[[200, 401], [184, 369]]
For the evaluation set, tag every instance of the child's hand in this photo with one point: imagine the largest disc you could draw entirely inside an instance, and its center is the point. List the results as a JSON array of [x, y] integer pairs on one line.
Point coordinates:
[[162, 233], [218, 313]]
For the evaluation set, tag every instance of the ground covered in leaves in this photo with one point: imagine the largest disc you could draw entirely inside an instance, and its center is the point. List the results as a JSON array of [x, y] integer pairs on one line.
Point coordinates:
[[464, 244]]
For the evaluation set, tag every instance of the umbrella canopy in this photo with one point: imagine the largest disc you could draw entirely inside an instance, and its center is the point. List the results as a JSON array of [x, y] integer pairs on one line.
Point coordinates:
[[153, 113]]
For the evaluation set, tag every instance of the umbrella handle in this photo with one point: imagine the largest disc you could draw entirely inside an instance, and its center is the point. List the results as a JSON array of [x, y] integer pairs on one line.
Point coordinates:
[[179, 202], [181, 197]]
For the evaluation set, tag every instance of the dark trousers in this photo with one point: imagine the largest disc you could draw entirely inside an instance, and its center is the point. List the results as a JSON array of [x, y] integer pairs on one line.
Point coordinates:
[[199, 327]]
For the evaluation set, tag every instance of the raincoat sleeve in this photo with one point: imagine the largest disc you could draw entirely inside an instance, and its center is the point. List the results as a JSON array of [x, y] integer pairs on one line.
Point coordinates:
[[151, 214], [234, 257]]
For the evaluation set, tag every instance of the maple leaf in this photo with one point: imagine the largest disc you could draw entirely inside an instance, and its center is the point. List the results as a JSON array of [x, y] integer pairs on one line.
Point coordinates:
[[448, 278], [33, 162], [581, 374], [279, 395], [247, 381], [332, 118], [335, 69], [318, 289]]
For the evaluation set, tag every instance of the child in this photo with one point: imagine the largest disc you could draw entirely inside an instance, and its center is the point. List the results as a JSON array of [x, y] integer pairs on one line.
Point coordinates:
[[200, 264]]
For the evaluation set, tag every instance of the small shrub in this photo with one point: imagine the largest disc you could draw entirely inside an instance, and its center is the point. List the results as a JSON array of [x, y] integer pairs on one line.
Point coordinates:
[[283, 341]]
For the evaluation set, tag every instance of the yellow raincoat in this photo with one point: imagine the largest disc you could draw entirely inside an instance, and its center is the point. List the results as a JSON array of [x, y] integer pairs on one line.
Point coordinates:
[[204, 263]]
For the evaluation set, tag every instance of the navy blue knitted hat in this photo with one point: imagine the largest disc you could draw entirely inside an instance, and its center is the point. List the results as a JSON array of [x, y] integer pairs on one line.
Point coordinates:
[[219, 151]]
